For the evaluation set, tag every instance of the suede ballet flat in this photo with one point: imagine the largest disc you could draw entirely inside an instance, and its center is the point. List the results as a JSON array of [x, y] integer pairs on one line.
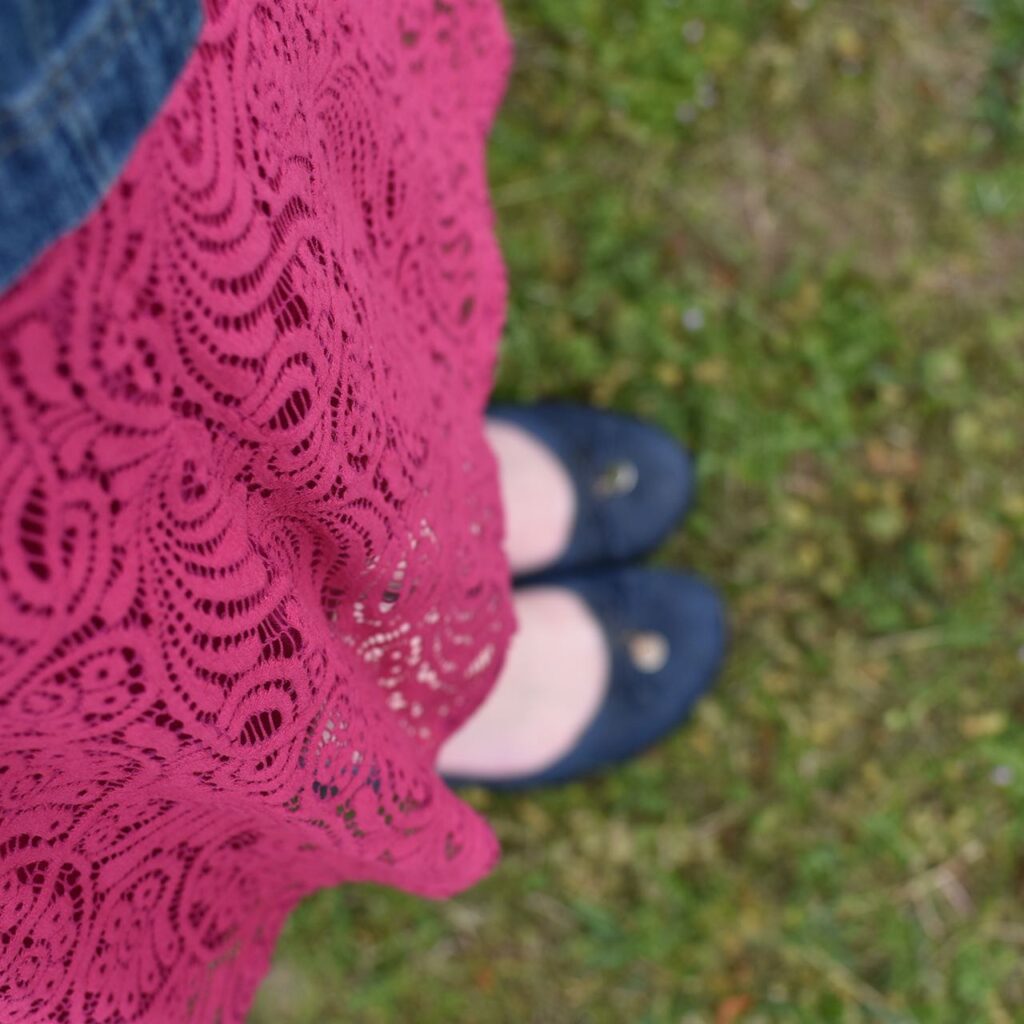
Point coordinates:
[[666, 635], [633, 482]]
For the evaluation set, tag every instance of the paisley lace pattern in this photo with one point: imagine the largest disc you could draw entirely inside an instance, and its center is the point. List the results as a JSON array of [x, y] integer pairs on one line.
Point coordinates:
[[250, 566]]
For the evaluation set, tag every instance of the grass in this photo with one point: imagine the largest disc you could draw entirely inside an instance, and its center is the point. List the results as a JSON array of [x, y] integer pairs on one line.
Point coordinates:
[[791, 232]]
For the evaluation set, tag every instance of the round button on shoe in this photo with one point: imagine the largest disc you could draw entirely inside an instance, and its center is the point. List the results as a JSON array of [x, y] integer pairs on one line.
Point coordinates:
[[617, 480], [648, 651]]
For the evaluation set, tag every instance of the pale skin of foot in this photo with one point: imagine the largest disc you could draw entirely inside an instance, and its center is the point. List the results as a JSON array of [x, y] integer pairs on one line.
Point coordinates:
[[538, 498], [558, 664]]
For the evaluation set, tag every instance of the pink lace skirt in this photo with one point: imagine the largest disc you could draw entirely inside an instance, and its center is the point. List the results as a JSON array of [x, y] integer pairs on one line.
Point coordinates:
[[250, 564]]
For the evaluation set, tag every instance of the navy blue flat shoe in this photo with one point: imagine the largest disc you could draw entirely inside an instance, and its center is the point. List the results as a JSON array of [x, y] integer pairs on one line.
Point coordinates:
[[633, 481], [666, 633]]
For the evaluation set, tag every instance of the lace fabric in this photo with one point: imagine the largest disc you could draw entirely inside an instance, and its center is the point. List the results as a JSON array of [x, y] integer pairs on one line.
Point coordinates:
[[250, 562]]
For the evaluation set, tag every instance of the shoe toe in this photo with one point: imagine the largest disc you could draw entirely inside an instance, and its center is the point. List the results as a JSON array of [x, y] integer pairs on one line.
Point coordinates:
[[633, 481], [656, 489], [667, 636], [688, 617]]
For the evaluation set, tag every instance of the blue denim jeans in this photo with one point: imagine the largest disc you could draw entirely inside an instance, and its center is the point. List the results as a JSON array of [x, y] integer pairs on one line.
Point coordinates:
[[79, 82]]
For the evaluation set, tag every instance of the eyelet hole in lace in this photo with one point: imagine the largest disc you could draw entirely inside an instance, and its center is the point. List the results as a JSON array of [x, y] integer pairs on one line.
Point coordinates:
[[394, 588], [617, 480], [649, 651]]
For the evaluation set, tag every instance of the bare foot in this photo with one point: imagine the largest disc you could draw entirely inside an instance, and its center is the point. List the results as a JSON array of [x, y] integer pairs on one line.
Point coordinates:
[[538, 496]]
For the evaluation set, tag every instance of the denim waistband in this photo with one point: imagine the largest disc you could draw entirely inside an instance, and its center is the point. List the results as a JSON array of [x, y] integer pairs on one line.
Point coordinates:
[[79, 82]]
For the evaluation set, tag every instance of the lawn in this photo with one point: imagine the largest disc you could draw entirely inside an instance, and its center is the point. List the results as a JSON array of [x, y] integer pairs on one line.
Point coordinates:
[[791, 232]]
